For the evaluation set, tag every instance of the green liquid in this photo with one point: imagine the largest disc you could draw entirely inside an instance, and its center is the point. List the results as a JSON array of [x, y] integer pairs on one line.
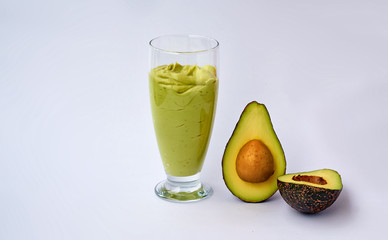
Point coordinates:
[[183, 100]]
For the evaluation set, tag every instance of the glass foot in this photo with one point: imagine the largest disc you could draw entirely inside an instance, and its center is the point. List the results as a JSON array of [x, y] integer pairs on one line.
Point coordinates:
[[175, 189]]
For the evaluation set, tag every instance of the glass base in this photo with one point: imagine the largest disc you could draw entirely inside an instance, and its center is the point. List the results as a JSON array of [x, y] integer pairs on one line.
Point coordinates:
[[183, 189]]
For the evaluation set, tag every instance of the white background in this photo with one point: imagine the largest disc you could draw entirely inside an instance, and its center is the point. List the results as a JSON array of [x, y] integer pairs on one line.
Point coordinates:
[[78, 155]]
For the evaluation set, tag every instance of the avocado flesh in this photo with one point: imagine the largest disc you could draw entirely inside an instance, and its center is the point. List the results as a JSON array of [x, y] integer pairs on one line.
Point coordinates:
[[310, 192], [254, 124]]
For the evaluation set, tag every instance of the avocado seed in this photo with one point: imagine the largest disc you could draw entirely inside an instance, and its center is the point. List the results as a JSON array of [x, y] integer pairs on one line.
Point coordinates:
[[254, 162]]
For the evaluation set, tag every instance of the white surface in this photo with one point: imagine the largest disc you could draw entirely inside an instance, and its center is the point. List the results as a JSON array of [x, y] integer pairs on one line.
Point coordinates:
[[78, 156]]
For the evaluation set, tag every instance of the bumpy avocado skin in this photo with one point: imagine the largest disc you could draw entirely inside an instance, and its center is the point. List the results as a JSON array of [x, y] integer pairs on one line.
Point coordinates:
[[307, 199], [260, 128]]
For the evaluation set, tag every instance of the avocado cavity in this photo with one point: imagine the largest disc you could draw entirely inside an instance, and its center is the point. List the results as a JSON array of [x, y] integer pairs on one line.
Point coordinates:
[[310, 179]]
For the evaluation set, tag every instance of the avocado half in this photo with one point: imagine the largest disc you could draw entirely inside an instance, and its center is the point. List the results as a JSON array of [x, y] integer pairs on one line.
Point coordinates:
[[253, 158], [310, 192]]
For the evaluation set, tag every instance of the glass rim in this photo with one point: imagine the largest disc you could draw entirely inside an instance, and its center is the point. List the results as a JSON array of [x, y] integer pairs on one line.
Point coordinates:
[[214, 46]]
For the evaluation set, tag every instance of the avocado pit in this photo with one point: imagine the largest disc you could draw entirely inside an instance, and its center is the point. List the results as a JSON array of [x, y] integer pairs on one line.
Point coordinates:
[[310, 179], [254, 162]]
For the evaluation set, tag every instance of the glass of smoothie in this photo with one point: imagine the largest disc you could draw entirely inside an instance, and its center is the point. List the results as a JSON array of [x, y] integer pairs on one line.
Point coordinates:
[[183, 85]]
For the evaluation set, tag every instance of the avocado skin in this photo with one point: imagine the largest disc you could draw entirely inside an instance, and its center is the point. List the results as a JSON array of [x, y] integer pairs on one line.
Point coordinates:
[[305, 198]]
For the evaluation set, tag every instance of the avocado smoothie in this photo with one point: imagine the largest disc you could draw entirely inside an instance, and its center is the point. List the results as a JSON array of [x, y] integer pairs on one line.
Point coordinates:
[[183, 99]]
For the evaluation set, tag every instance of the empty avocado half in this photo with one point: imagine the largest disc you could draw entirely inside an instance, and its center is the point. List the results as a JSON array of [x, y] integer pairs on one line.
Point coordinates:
[[310, 192], [253, 157]]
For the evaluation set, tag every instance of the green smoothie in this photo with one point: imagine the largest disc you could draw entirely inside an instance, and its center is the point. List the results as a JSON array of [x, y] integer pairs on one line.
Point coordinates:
[[183, 99]]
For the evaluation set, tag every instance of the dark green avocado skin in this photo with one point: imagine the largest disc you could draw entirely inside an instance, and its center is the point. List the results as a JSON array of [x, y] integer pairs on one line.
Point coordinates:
[[305, 198]]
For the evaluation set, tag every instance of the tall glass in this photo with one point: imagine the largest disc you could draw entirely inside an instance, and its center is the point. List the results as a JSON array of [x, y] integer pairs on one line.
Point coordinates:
[[183, 86]]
